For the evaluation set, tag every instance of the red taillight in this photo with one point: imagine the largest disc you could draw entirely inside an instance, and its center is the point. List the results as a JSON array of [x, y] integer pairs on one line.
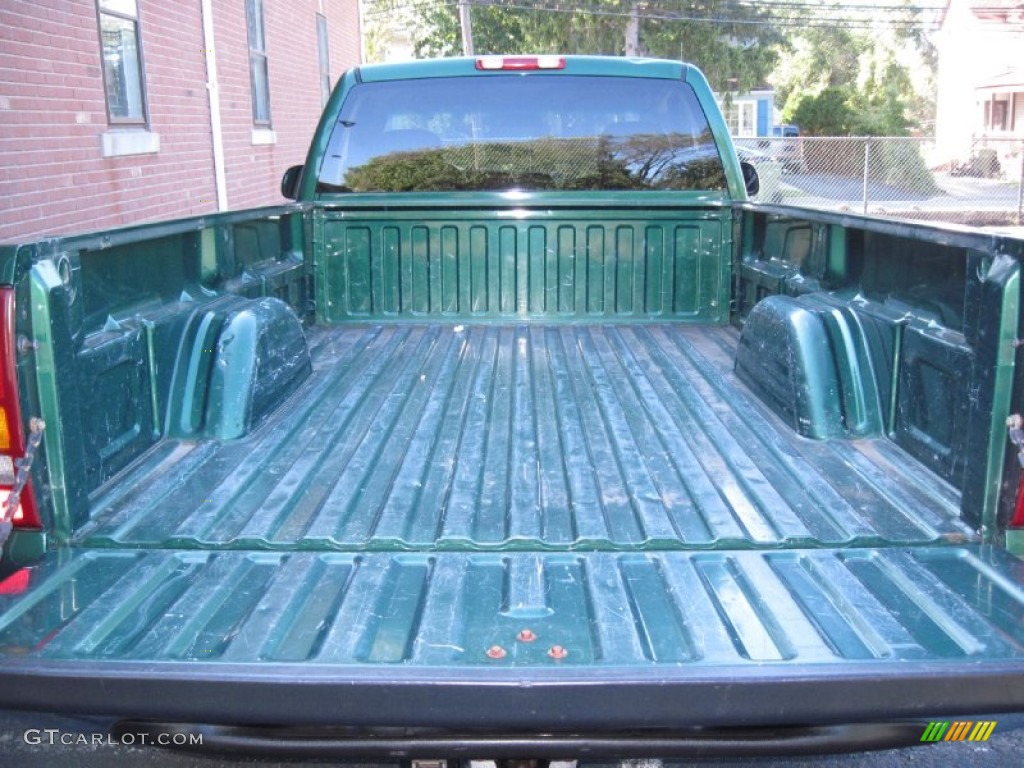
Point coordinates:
[[12, 436], [520, 62], [16, 583], [1017, 521]]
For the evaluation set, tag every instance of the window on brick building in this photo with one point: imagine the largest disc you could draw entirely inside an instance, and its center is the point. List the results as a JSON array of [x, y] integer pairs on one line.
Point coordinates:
[[258, 62], [122, 61], [325, 58]]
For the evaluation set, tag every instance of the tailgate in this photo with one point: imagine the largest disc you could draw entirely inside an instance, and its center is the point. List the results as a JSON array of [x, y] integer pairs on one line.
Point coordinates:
[[557, 640]]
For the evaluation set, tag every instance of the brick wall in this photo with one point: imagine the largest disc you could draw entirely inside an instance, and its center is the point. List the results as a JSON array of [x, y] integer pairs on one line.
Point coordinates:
[[294, 78], [53, 175]]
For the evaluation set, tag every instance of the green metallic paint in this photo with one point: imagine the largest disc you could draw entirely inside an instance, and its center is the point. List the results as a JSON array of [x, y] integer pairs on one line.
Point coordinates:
[[837, 267], [587, 66], [322, 136], [1015, 542], [524, 263], [812, 361], [522, 437], [586, 203], [110, 238], [8, 262], [108, 339], [44, 282], [15, 260], [639, 508], [621, 616], [696, 80], [208, 262], [1004, 364], [23, 547], [258, 359], [939, 310], [894, 383]]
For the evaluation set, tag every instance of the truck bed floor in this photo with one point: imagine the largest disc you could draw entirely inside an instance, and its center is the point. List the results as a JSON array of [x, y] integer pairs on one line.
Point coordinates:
[[531, 441], [433, 437]]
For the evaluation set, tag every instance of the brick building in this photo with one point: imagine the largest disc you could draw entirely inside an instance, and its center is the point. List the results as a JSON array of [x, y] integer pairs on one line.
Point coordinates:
[[123, 111]]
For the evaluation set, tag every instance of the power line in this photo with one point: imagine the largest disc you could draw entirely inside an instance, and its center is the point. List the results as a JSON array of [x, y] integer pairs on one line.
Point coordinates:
[[846, 22], [379, 8], [647, 11], [385, 10], [768, 6]]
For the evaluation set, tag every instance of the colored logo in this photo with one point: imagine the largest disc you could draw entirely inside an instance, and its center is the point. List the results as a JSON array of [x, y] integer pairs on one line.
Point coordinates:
[[958, 730]]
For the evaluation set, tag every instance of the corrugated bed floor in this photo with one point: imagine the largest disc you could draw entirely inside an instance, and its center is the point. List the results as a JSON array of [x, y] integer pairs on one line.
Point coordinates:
[[535, 437], [669, 608]]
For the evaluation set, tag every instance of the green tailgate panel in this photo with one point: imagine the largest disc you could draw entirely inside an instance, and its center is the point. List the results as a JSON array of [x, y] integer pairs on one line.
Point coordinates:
[[522, 264]]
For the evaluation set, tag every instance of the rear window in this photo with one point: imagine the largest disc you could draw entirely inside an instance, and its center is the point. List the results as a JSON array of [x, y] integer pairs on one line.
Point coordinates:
[[516, 132]]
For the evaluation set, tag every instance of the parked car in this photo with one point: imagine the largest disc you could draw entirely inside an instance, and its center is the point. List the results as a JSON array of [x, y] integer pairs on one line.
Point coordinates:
[[788, 148]]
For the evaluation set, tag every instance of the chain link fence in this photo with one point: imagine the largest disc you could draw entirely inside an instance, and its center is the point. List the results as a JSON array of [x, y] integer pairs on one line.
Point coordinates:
[[897, 177]]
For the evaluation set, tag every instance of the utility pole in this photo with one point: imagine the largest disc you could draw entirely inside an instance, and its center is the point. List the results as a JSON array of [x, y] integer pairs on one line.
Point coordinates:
[[466, 23], [633, 29]]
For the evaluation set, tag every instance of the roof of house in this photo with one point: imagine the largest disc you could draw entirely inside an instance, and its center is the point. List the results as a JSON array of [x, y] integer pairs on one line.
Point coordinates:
[[1000, 11], [1004, 11], [1009, 79]]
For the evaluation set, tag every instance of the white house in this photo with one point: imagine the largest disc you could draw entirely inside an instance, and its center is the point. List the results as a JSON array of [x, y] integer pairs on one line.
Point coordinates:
[[981, 76]]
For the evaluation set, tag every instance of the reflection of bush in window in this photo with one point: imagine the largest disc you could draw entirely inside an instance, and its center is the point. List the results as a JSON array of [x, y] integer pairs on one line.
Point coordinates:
[[578, 134], [643, 162], [122, 70]]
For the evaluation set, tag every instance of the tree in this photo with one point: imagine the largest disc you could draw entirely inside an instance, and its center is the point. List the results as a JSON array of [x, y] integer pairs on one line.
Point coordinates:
[[876, 62], [733, 44], [495, 30], [884, 97], [817, 58], [886, 72], [824, 114], [737, 54]]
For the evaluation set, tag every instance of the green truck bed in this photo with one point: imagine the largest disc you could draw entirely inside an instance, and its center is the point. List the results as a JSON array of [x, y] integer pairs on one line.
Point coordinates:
[[434, 491], [414, 450], [531, 437], [538, 468]]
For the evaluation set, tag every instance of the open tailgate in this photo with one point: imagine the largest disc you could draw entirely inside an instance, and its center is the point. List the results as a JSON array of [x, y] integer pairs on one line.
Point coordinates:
[[619, 639]]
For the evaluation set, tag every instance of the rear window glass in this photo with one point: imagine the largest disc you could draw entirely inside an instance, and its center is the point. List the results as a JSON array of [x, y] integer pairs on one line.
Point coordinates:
[[520, 132]]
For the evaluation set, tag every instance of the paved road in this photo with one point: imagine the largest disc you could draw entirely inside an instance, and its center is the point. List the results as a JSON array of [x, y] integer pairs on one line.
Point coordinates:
[[833, 187], [823, 190], [1005, 748]]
